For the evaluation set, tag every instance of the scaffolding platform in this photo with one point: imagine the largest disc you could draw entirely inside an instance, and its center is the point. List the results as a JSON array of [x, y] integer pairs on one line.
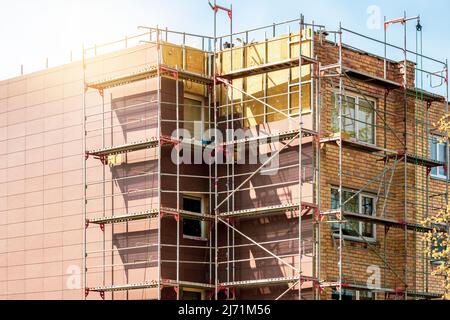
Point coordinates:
[[425, 295], [188, 284], [391, 85], [270, 138], [126, 148], [366, 77], [387, 222], [265, 282], [148, 73], [268, 211], [142, 145], [426, 95], [187, 214], [267, 67], [137, 286], [359, 146], [124, 218], [421, 161], [150, 214]]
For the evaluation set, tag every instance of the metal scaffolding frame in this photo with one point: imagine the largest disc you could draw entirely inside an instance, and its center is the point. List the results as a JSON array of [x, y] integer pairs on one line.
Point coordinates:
[[222, 203], [348, 78], [157, 143]]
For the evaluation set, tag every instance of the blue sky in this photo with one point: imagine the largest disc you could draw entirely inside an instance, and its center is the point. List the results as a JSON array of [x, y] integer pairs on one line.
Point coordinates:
[[32, 30]]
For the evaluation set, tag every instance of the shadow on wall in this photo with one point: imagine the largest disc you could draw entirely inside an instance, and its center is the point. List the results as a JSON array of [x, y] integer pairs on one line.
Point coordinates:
[[142, 255], [136, 113], [272, 190]]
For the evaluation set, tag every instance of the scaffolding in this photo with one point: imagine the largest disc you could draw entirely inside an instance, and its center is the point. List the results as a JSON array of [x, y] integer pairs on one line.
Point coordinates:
[[229, 105], [414, 153]]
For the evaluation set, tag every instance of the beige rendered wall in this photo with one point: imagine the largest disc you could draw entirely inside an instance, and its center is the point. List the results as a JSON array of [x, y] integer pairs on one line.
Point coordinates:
[[41, 190]]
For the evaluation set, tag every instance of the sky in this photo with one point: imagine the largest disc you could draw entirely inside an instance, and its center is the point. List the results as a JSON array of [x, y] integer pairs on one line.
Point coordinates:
[[33, 31]]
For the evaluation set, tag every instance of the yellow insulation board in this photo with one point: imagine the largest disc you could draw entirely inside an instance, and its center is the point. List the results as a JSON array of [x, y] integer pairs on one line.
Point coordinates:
[[275, 84]]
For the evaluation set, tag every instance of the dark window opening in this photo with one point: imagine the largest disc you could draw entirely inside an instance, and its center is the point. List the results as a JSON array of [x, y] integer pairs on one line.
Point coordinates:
[[191, 295], [346, 295], [192, 228]]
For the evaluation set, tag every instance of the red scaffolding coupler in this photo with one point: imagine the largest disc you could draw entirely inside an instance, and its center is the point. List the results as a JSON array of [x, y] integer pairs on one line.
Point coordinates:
[[102, 295], [216, 8], [86, 292], [317, 285], [399, 291], [226, 82], [174, 72], [399, 20]]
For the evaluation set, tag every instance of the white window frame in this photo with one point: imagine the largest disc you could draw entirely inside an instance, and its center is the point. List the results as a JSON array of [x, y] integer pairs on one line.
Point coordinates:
[[360, 196], [357, 122], [202, 111], [433, 175], [202, 223]]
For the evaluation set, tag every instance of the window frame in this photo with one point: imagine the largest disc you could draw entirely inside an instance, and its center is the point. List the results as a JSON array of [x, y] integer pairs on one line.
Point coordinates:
[[435, 138], [433, 261], [193, 290], [202, 223], [356, 294], [357, 98], [361, 223], [204, 121]]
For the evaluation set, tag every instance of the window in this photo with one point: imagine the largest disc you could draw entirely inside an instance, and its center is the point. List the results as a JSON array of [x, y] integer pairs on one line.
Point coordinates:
[[362, 204], [193, 117], [353, 295], [191, 294], [193, 228], [439, 153], [438, 244], [358, 117]]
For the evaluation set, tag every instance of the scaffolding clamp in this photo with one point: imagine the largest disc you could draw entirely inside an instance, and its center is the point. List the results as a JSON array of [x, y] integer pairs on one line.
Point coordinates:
[[216, 8], [316, 284], [86, 292], [226, 82], [175, 214], [86, 224], [102, 227], [393, 21], [168, 140], [400, 291], [173, 72]]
